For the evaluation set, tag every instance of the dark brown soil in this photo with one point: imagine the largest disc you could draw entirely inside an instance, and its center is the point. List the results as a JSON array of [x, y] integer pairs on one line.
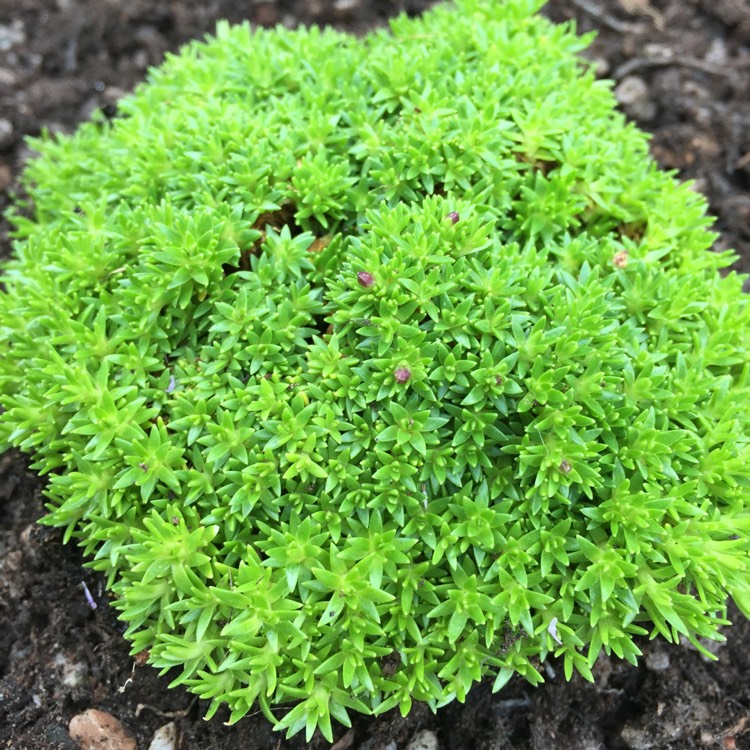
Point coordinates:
[[682, 69]]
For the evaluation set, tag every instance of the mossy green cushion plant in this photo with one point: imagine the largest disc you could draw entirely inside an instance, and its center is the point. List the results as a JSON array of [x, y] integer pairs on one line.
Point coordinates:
[[365, 368]]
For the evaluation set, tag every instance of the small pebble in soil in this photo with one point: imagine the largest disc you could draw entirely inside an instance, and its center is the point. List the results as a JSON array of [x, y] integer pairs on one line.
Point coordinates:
[[633, 94], [6, 180], [72, 673], [424, 740], [165, 738], [636, 738], [12, 34], [601, 66], [658, 660], [6, 133], [8, 77], [98, 730], [717, 52]]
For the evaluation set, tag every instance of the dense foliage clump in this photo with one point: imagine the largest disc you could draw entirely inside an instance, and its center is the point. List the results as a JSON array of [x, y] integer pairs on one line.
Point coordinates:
[[367, 368]]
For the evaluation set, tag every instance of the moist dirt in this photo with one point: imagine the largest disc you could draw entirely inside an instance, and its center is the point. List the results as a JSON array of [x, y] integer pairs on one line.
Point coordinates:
[[682, 72]]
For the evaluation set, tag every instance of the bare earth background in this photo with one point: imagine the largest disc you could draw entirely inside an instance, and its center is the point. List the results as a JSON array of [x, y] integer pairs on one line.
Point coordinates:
[[682, 71]]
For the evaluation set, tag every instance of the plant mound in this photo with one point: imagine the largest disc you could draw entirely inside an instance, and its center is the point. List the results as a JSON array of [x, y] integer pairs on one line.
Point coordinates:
[[367, 368]]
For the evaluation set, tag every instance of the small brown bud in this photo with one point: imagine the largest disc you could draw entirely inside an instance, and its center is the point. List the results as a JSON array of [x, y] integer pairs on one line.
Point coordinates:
[[141, 657], [454, 217], [565, 466]]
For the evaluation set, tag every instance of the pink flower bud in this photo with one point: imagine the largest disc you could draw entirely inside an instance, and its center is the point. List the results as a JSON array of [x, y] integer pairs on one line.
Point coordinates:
[[365, 279], [402, 374], [454, 217], [621, 259]]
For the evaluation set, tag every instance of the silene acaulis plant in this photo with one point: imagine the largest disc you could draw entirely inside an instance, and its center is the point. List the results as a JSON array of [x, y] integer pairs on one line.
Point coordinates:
[[365, 369]]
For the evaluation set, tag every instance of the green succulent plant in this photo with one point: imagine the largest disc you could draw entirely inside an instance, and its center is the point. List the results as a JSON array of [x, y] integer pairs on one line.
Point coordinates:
[[365, 368]]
